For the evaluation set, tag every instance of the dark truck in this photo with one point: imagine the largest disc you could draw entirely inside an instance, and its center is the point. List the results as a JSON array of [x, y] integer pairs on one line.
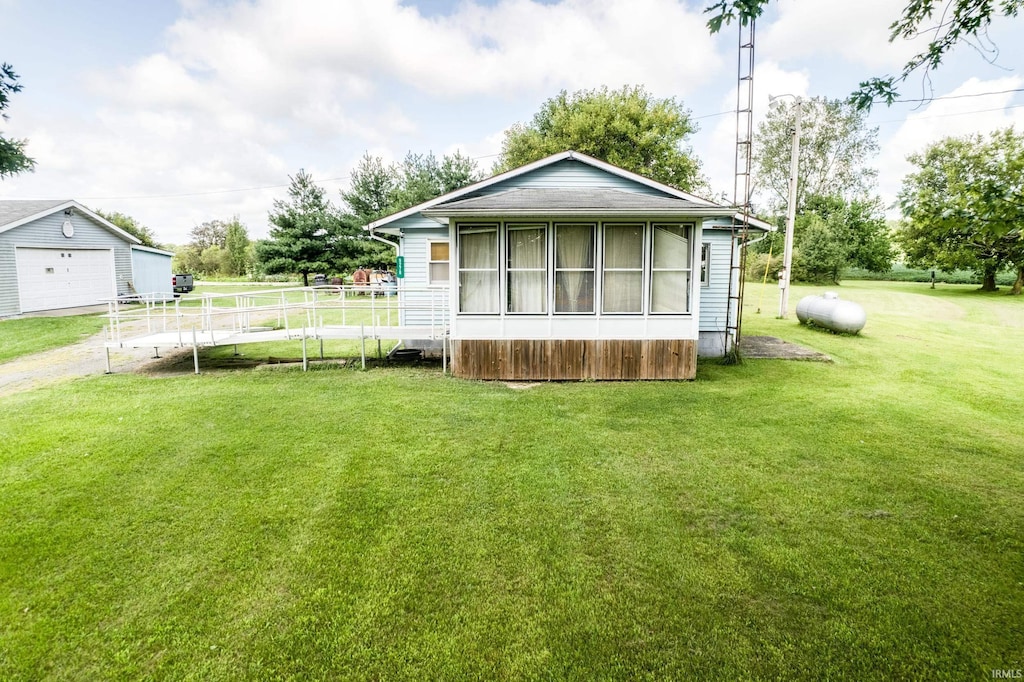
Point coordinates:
[[182, 284]]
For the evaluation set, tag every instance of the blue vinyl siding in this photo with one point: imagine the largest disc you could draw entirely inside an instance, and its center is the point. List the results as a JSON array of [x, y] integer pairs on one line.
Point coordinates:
[[418, 232], [568, 173], [714, 298], [46, 233]]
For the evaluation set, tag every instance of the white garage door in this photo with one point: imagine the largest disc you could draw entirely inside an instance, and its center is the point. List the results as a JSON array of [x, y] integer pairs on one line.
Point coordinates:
[[64, 278]]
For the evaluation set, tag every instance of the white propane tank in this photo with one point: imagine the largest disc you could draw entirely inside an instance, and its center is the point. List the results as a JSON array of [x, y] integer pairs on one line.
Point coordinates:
[[828, 311]]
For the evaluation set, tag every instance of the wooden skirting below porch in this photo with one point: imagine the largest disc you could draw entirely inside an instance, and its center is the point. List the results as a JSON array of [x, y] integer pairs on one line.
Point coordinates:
[[574, 359]]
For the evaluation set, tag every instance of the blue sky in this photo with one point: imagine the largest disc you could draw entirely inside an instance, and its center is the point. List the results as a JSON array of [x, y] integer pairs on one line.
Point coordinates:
[[182, 112]]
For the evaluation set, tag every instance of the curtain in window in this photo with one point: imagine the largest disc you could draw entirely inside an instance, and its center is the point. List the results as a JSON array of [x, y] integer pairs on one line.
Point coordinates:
[[670, 284], [623, 269], [478, 272], [574, 269], [527, 271]]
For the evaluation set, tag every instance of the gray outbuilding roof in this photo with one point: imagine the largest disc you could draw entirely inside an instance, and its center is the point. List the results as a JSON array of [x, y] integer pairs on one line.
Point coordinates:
[[13, 210]]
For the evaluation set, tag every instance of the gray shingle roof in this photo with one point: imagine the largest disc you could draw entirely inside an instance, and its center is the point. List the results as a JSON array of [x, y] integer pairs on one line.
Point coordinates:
[[12, 210], [552, 199]]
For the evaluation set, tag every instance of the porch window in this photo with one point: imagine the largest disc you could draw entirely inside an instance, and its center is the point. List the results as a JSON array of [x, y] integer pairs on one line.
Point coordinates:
[[527, 269], [438, 264], [623, 269], [478, 269], [574, 268], [670, 269]]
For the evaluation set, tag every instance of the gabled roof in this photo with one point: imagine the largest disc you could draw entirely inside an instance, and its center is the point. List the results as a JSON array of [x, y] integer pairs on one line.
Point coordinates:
[[694, 205], [17, 212], [553, 199]]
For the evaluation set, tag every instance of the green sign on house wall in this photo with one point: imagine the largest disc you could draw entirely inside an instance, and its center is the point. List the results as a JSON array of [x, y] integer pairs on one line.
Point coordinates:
[[400, 266]]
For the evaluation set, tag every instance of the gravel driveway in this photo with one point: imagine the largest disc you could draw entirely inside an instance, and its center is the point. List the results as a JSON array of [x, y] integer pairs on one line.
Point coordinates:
[[85, 358]]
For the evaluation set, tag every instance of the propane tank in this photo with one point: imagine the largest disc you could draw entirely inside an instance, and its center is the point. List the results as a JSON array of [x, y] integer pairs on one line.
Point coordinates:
[[828, 311]]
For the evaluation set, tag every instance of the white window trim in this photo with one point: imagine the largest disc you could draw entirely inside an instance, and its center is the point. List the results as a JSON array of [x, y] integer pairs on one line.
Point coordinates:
[[477, 228], [430, 261], [547, 269], [642, 269], [705, 264], [595, 230], [691, 229]]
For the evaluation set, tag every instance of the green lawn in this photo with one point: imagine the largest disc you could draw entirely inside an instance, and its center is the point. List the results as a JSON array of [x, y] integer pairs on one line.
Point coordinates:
[[858, 520], [26, 335]]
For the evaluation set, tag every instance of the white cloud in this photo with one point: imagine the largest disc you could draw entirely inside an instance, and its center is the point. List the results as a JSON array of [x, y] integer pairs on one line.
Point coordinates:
[[947, 118], [856, 31]]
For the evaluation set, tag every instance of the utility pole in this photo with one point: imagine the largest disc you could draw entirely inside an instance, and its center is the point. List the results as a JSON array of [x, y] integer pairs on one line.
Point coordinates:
[[787, 256]]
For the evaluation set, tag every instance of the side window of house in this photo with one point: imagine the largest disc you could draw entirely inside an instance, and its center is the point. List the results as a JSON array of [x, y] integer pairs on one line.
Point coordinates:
[[670, 269], [478, 268], [705, 264], [527, 269], [437, 268], [574, 268]]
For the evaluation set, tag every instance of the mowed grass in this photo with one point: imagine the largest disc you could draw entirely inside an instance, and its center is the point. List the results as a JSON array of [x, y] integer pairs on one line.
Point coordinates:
[[859, 519], [22, 336]]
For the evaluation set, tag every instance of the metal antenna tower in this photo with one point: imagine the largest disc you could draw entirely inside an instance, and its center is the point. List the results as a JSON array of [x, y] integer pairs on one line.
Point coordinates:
[[741, 184]]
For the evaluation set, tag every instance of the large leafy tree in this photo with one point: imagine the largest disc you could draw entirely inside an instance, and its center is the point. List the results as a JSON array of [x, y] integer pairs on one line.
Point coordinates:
[[947, 22], [308, 234], [835, 143], [964, 206], [627, 127], [129, 225], [236, 243], [12, 152]]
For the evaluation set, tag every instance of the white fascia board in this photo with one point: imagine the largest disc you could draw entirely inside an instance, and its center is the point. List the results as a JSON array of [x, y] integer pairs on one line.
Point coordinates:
[[486, 182], [150, 249], [691, 212], [36, 216], [106, 224]]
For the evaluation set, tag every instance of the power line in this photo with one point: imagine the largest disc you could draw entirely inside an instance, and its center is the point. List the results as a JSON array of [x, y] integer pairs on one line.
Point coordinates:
[[488, 156]]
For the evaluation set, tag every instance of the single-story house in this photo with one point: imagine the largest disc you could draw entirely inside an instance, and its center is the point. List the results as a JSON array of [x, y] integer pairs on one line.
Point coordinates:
[[572, 268], [59, 254]]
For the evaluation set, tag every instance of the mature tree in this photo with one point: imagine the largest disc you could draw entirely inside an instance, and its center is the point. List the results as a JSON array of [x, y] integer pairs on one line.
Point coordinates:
[[864, 230], [307, 234], [628, 127], [371, 189], [187, 258], [236, 243], [378, 190], [964, 207], [833, 234], [129, 225], [210, 233], [956, 21], [822, 250], [12, 152], [835, 143]]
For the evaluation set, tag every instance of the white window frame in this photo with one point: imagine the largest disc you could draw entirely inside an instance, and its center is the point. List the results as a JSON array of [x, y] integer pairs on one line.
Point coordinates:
[[477, 228], [596, 231], [508, 270], [691, 230], [642, 269], [705, 264], [431, 261]]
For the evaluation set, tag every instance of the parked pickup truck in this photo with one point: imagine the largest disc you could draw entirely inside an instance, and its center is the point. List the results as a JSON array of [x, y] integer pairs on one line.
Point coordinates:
[[182, 284]]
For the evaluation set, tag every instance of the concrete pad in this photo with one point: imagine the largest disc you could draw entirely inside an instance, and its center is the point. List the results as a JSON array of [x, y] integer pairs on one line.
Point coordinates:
[[772, 348]]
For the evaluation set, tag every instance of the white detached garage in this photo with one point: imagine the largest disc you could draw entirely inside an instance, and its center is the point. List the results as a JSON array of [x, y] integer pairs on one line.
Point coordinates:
[[59, 254]]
